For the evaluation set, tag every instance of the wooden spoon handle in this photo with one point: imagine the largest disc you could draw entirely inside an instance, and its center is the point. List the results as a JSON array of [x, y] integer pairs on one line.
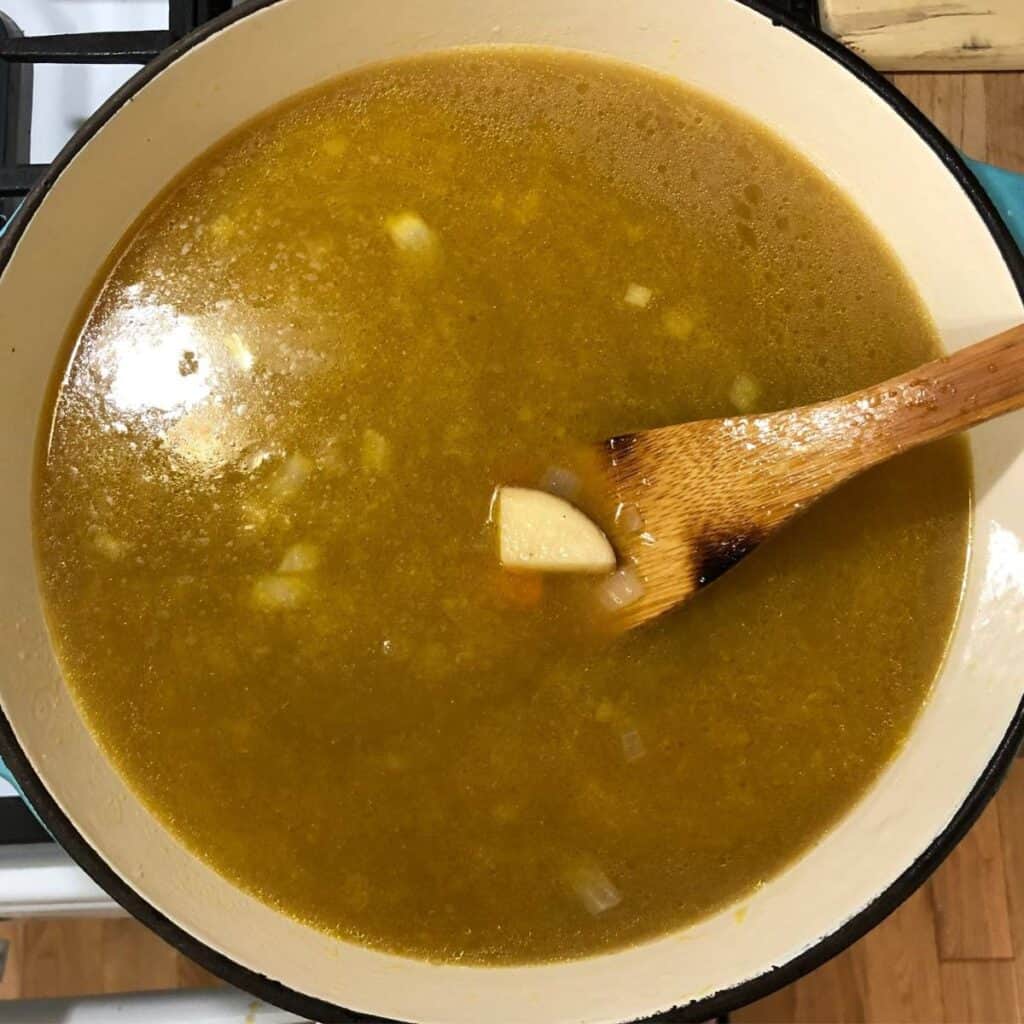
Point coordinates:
[[941, 398]]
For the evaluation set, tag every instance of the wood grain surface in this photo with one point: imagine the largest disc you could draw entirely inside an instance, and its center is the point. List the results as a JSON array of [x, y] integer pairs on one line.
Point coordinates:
[[943, 956], [66, 957], [983, 114], [930, 35]]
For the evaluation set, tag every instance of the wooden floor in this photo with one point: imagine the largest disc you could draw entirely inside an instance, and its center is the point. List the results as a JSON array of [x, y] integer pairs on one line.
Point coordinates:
[[981, 113], [953, 953], [71, 957]]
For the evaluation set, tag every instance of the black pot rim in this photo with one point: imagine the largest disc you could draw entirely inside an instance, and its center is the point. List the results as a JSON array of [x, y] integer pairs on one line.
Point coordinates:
[[723, 1001]]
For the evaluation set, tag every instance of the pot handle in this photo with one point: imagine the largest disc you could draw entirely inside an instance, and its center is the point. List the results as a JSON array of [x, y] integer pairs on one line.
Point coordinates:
[[1006, 190]]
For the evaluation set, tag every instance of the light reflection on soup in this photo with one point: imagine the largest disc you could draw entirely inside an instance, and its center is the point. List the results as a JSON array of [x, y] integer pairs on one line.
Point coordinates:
[[261, 515]]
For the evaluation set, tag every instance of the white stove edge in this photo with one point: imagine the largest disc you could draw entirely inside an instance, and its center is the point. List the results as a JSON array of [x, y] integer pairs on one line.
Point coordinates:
[[214, 1006], [41, 880]]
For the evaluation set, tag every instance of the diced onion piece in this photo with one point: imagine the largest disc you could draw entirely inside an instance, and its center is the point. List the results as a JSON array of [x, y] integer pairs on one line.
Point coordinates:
[[595, 889], [223, 228], [638, 296], [563, 482], [279, 593], [335, 146], [629, 518], [544, 533], [411, 235], [110, 547], [375, 454], [240, 352], [677, 324], [293, 474], [621, 588], [632, 746], [745, 392], [302, 557]]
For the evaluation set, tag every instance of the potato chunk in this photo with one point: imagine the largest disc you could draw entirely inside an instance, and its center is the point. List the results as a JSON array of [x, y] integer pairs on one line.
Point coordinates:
[[543, 533]]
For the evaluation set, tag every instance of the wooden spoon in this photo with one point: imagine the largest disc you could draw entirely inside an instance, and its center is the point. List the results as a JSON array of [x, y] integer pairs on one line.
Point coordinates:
[[694, 499]]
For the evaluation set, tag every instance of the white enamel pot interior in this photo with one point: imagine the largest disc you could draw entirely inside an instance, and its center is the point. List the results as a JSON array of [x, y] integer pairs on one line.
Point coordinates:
[[908, 183]]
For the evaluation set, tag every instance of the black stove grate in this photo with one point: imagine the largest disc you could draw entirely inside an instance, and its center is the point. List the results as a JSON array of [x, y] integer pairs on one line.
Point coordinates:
[[803, 11], [15, 115], [19, 54]]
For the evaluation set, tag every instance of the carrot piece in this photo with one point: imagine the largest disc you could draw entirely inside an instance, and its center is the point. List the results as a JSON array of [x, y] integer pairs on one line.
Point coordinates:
[[520, 589]]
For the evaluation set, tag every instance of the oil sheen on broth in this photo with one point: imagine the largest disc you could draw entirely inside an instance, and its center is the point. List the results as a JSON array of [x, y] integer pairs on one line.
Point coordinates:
[[261, 513]]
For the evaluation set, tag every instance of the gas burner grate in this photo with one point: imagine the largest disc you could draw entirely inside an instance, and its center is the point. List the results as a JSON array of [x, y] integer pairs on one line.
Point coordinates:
[[803, 11], [15, 120], [19, 54]]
